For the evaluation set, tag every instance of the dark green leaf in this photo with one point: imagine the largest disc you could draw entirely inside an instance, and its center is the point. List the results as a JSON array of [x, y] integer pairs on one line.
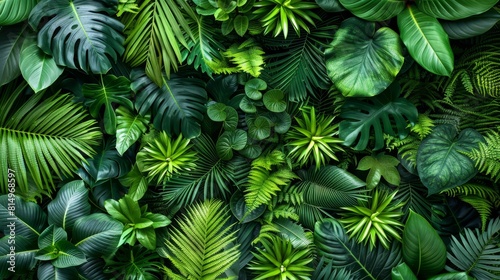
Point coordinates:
[[147, 237], [247, 106], [217, 112], [50, 236], [46, 271], [241, 24], [454, 9], [129, 128], [10, 51], [137, 183], [374, 10], [97, 234], [259, 128], [93, 269], [69, 255], [70, 204], [452, 276], [29, 218], [332, 6], [14, 11], [441, 163], [254, 87], [402, 272], [281, 122], [239, 208], [229, 141], [471, 26], [24, 255], [363, 61]]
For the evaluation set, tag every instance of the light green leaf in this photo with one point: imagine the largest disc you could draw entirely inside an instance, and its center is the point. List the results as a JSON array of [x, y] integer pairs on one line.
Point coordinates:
[[229, 141], [129, 128], [374, 10], [441, 163], [241, 24], [380, 166], [70, 204], [471, 26], [137, 183], [147, 237], [97, 234], [426, 41], [254, 87], [423, 250], [274, 101], [38, 69], [14, 11], [363, 61], [454, 9], [47, 253], [126, 210], [402, 272], [158, 220], [68, 255]]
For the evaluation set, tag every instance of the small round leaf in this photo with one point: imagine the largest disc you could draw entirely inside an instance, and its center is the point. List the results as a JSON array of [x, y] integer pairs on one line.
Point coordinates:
[[274, 101]]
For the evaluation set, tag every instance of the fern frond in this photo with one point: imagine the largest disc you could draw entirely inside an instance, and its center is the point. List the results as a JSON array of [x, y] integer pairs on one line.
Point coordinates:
[[423, 127], [407, 148], [202, 245], [487, 155], [281, 211], [473, 189], [248, 57], [482, 205]]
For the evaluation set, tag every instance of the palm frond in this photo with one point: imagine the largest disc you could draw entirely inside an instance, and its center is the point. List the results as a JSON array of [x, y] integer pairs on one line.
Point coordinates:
[[487, 155], [200, 245], [477, 253], [44, 136]]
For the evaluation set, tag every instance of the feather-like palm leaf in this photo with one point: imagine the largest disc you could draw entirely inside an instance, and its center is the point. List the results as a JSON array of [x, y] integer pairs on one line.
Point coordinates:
[[202, 245], [43, 136]]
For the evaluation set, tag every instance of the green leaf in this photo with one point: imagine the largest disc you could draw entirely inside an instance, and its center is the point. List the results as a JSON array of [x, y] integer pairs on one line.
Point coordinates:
[[126, 210], [93, 269], [367, 118], [363, 61], [69, 255], [97, 234], [14, 11], [471, 26], [111, 89], [454, 9], [239, 208], [80, 34], [229, 141], [177, 106], [158, 220], [441, 163], [331, 6], [241, 24], [402, 272], [259, 128], [374, 10], [70, 204], [147, 237], [50, 236], [38, 68], [452, 276], [426, 41], [247, 106], [137, 183], [29, 217], [129, 128], [47, 254], [274, 101], [46, 271], [423, 250], [281, 122], [380, 166], [231, 121], [10, 51], [24, 255], [254, 87], [217, 112], [292, 231]]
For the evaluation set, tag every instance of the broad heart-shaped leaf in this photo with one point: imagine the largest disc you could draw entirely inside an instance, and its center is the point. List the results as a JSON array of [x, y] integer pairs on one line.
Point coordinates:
[[366, 118], [47, 271], [38, 69], [111, 89], [217, 112], [274, 101], [426, 41], [402, 272], [29, 218], [380, 166], [10, 51], [14, 11], [454, 9], [471, 26], [80, 33], [129, 128], [97, 234], [441, 163], [362, 61], [69, 255], [241, 24], [70, 204], [423, 250], [24, 255], [258, 128], [229, 141], [50, 236], [176, 107], [254, 87], [374, 10]]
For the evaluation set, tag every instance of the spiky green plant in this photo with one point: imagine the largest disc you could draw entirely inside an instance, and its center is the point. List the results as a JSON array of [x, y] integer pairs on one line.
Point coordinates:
[[313, 139], [374, 220]]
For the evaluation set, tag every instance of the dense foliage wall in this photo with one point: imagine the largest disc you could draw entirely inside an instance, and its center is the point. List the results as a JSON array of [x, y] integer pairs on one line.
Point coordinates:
[[249, 139]]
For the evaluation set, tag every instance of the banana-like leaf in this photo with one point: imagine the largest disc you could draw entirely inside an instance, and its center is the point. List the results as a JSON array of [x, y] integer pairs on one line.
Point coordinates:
[[177, 107], [441, 163], [10, 51], [24, 254], [29, 217], [68, 255], [50, 236], [47, 271], [97, 234], [423, 250], [364, 119], [471, 26], [454, 9], [374, 10], [426, 41], [38, 69], [402, 272], [93, 269], [14, 11], [452, 276], [363, 61], [70, 204], [80, 34], [129, 128]]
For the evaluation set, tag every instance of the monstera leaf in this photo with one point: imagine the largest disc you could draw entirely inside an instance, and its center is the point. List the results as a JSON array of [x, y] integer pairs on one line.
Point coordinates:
[[441, 164], [426, 41], [14, 11], [363, 61], [363, 116], [80, 34], [177, 106], [374, 10], [454, 9], [471, 26]]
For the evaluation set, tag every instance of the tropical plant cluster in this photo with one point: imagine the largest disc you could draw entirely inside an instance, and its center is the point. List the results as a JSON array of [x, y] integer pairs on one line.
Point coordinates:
[[249, 139]]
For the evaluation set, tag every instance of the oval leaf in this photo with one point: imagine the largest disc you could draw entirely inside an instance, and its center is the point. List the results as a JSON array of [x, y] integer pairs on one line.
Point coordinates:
[[402, 272], [10, 51], [216, 112], [38, 69], [274, 101], [471, 26], [426, 41], [454, 9], [97, 235], [70, 204], [253, 88], [374, 10], [362, 61], [129, 128], [241, 24], [260, 128], [441, 163], [229, 141], [239, 208], [423, 250]]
